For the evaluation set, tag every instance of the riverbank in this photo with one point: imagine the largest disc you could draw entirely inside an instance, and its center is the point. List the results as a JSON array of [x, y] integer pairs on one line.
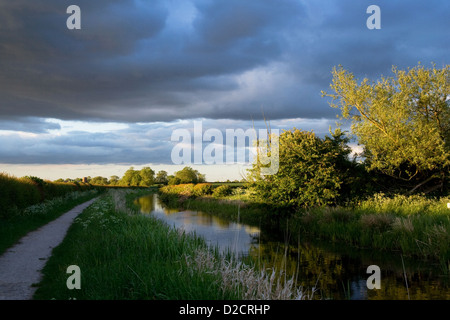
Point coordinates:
[[125, 255], [413, 226]]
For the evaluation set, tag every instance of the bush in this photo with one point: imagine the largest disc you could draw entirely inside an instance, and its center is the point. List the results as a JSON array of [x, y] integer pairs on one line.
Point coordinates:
[[202, 189], [17, 194], [312, 171], [186, 190], [222, 191]]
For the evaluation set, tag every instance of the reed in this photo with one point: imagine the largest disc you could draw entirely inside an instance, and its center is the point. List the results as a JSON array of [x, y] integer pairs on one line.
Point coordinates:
[[415, 225]]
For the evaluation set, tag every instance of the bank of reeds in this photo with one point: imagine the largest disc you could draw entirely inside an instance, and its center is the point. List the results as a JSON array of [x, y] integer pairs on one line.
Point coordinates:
[[412, 225], [123, 255]]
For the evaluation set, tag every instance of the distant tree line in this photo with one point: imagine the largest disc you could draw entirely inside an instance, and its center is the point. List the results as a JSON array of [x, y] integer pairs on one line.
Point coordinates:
[[145, 177]]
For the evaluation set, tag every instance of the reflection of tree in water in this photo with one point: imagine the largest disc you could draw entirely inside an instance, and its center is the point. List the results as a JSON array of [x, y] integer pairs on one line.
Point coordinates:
[[341, 276], [310, 266], [146, 204]]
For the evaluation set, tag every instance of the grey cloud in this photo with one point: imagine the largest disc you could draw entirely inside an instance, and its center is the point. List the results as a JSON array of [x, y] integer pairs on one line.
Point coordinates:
[[81, 148], [138, 144], [130, 63]]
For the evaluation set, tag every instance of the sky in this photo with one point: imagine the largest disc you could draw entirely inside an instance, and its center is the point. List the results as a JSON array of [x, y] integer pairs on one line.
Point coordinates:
[[100, 99]]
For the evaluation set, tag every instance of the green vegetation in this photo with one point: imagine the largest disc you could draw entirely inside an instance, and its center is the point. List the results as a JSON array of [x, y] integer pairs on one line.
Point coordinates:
[[130, 256], [186, 175], [413, 225], [32, 217], [162, 177], [18, 193], [312, 171], [143, 178], [403, 122]]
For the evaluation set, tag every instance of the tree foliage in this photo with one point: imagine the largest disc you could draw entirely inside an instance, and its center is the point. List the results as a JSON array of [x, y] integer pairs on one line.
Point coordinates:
[[99, 181], [311, 170], [162, 177], [147, 177], [144, 177], [403, 121], [187, 175]]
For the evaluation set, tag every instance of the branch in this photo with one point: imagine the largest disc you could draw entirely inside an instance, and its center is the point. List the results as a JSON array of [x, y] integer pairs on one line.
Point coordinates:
[[422, 183]]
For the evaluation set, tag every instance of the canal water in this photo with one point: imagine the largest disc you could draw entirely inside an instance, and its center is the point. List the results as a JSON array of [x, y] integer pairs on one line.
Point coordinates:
[[337, 272]]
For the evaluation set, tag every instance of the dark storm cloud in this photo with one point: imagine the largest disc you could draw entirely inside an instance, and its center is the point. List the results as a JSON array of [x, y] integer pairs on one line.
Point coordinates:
[[165, 60]]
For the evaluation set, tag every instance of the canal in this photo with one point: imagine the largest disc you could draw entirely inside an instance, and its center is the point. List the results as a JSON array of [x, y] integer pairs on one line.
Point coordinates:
[[337, 272]]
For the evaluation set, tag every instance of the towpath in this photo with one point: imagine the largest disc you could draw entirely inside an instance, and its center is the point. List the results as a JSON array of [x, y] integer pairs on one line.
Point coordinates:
[[21, 265]]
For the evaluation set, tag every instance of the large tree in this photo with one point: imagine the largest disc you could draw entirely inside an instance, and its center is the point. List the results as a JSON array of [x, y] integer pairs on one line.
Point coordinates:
[[188, 175], [312, 171], [402, 121], [131, 178], [162, 177], [147, 177]]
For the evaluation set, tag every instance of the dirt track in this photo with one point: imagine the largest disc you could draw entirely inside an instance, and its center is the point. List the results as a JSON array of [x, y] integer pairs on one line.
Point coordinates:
[[21, 264]]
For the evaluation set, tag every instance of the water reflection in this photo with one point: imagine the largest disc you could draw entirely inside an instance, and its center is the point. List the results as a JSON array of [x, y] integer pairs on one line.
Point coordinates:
[[339, 272], [226, 235]]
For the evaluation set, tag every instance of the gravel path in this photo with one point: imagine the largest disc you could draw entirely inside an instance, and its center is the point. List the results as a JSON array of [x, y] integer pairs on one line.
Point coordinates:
[[21, 264]]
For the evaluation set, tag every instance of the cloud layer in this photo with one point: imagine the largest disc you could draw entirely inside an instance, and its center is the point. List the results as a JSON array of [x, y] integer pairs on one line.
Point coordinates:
[[139, 143], [166, 60]]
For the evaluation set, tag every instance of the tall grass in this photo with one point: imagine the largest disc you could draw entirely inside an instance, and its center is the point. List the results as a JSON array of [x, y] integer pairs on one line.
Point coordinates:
[[414, 225], [123, 255]]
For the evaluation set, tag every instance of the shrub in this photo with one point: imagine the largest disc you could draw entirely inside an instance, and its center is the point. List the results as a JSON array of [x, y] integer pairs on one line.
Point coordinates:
[[202, 189], [186, 190], [312, 171], [19, 193], [16, 194], [222, 191]]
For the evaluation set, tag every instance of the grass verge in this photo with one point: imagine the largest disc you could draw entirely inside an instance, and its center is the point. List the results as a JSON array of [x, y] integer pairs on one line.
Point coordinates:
[[32, 217]]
